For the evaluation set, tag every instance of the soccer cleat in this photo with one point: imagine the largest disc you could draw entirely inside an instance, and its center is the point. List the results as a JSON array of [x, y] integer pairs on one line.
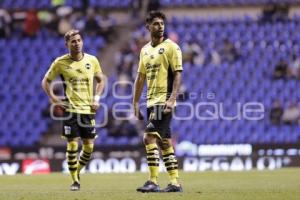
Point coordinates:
[[173, 188], [149, 186], [75, 186]]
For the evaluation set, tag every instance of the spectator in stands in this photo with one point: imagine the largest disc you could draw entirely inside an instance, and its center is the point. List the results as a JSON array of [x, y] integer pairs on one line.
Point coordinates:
[[294, 69], [106, 26], [64, 25], [32, 23], [119, 125], [136, 9], [79, 70], [275, 13], [291, 115], [193, 53], [52, 23], [66, 19], [229, 52], [126, 67], [215, 58], [5, 23], [91, 23], [58, 3], [276, 113], [281, 70]]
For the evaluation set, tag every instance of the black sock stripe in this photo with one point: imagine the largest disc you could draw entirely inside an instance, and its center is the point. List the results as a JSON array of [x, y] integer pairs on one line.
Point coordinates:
[[152, 159], [153, 149], [152, 154], [72, 168], [72, 163], [82, 163], [167, 159], [170, 163], [172, 168], [86, 156], [83, 159], [72, 152], [87, 153], [167, 155], [71, 157], [153, 164]]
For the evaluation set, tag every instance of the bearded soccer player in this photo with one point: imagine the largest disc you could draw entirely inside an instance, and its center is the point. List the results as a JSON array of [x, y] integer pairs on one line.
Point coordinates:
[[161, 66], [78, 71]]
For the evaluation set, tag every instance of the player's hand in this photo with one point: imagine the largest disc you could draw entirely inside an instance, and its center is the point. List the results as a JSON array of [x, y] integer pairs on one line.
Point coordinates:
[[58, 102], [137, 112], [95, 105], [169, 105]]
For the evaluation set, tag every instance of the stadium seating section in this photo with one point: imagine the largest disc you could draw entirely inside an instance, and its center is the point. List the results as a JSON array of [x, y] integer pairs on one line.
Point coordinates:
[[189, 3], [123, 4], [23, 62], [46, 4]]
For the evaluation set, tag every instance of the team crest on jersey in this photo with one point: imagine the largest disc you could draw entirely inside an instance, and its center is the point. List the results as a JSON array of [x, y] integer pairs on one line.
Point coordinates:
[[87, 65], [161, 51]]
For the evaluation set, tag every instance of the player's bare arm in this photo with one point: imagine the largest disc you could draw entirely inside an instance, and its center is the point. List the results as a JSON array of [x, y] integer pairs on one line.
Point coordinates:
[[99, 77], [46, 83], [176, 84], [138, 89]]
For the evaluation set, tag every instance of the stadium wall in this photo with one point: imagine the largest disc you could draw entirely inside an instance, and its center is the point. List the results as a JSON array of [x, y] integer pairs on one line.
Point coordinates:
[[127, 159]]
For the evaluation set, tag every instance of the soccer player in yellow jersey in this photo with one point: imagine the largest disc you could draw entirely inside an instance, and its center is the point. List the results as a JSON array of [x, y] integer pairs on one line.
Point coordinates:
[[161, 66], [78, 71]]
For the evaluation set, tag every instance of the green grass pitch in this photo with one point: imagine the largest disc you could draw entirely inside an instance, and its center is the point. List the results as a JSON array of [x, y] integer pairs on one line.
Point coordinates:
[[283, 184]]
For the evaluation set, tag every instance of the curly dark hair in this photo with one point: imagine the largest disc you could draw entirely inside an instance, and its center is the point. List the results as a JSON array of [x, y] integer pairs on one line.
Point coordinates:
[[155, 14]]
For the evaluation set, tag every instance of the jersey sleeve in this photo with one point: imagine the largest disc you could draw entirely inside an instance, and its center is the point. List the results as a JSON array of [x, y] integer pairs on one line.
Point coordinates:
[[97, 67], [176, 58], [53, 71], [142, 68]]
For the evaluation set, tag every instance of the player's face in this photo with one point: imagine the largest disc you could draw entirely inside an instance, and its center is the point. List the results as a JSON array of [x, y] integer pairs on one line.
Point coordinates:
[[75, 44], [157, 27]]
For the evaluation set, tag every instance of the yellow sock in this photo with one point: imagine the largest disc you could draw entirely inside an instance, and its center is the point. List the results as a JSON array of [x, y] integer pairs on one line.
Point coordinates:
[[171, 164], [153, 161], [72, 148], [85, 155]]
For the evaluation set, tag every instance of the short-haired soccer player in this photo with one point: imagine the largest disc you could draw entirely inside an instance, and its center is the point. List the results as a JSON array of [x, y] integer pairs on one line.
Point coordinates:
[[78, 71]]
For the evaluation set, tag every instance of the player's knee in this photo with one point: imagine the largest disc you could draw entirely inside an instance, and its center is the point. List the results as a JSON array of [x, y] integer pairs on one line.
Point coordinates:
[[149, 139], [165, 144]]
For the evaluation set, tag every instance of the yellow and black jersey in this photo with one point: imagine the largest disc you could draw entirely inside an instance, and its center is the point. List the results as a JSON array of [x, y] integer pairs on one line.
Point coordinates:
[[78, 79], [158, 64]]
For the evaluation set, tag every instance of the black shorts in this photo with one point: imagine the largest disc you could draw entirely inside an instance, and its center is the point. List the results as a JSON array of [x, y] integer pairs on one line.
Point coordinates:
[[158, 121], [79, 125]]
